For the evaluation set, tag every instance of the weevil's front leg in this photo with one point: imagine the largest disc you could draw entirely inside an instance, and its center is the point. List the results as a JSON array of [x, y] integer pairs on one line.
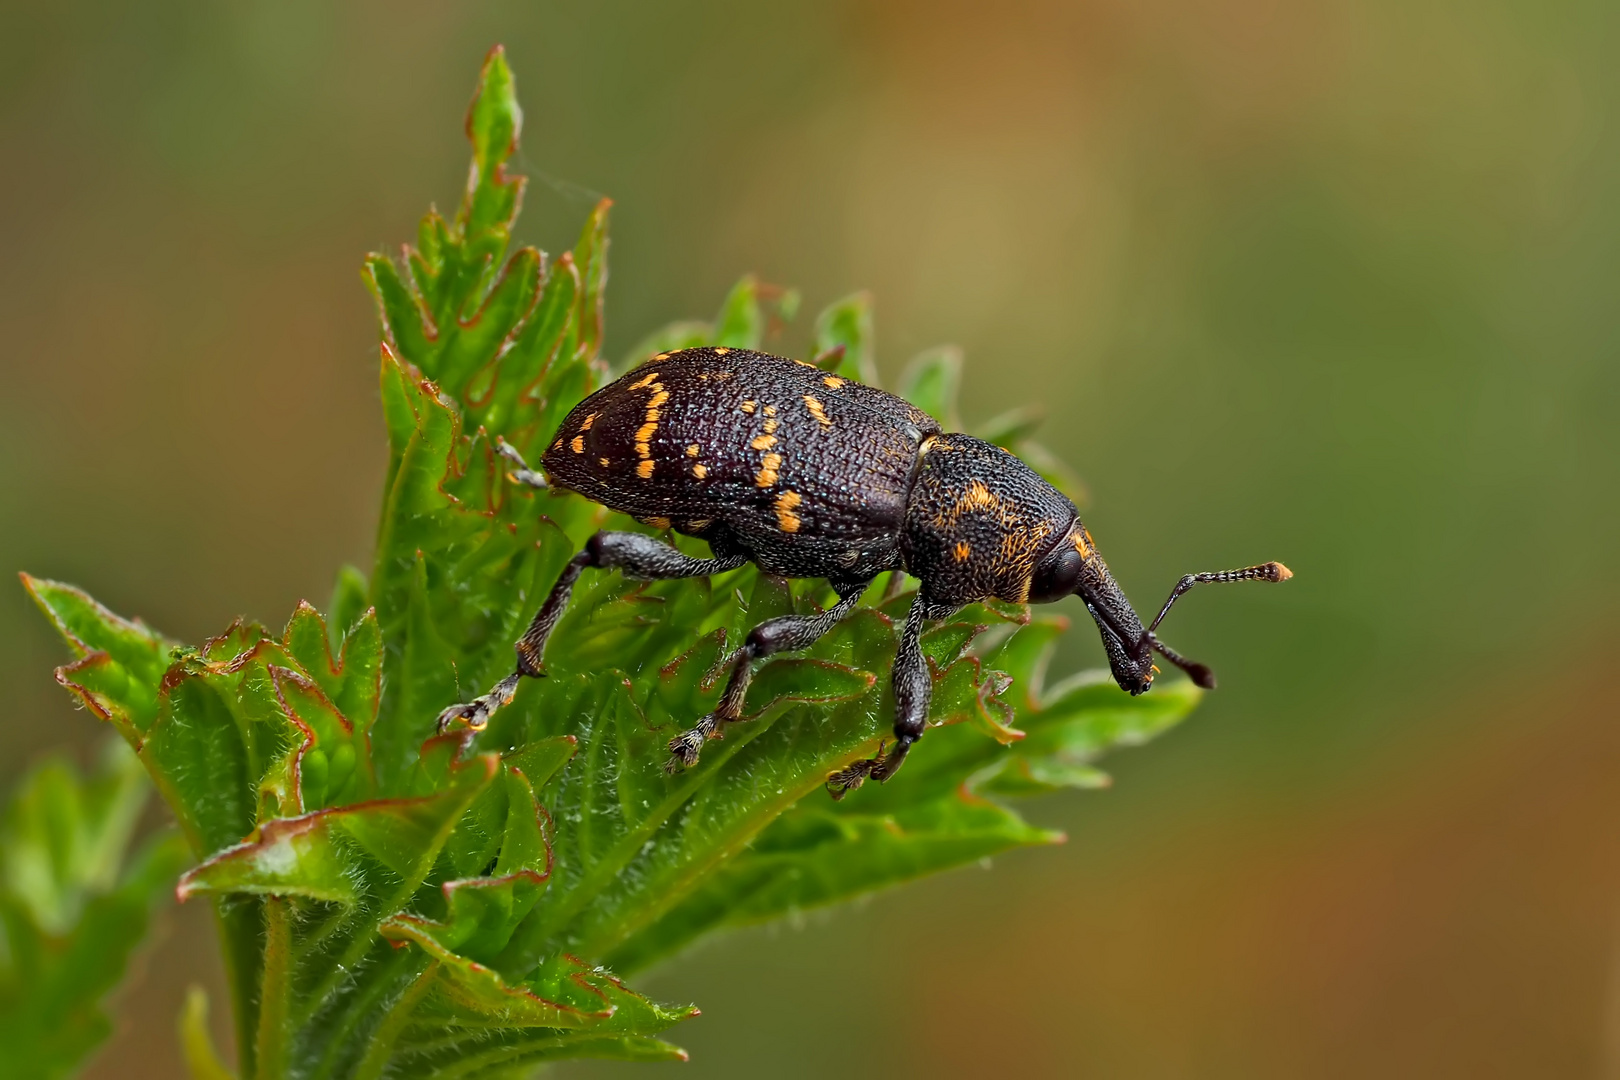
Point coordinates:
[[637, 555], [785, 634], [913, 687]]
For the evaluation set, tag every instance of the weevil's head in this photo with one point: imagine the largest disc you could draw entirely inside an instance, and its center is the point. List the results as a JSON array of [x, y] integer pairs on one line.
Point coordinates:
[[1073, 568], [982, 523]]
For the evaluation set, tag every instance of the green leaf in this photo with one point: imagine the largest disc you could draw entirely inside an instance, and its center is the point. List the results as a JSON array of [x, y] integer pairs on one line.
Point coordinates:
[[931, 381], [72, 907], [844, 341], [372, 853], [120, 661], [399, 902], [812, 856], [746, 317]]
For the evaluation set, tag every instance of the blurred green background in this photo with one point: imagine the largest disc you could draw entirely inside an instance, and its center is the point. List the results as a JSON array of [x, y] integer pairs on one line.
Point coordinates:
[[1334, 283]]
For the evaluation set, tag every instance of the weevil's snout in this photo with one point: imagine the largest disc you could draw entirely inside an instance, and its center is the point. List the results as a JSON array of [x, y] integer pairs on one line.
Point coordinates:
[[1129, 648], [1133, 670]]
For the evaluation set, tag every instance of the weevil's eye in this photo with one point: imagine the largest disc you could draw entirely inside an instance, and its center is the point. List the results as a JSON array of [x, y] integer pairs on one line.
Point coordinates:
[[1057, 576]]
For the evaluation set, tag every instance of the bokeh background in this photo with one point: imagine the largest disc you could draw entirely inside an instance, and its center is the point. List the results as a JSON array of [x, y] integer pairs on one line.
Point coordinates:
[[1331, 282]]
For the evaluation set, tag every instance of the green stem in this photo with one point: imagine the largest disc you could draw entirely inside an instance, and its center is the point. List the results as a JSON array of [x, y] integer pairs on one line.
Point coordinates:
[[240, 920], [393, 1022], [376, 982], [272, 1038]]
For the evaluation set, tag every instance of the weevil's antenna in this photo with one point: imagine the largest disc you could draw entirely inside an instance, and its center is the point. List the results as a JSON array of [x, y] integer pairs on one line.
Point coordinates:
[[1271, 571], [1200, 673]]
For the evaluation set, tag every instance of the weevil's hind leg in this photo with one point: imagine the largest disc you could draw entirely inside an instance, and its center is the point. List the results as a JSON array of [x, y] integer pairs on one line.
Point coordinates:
[[637, 555], [521, 473], [785, 634], [913, 687]]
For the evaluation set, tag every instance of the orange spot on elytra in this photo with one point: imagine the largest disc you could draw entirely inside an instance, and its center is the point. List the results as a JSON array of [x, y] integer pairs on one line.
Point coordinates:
[[817, 410], [692, 450], [700, 470], [768, 470], [833, 381], [578, 445], [646, 381], [786, 519], [763, 442], [645, 469]]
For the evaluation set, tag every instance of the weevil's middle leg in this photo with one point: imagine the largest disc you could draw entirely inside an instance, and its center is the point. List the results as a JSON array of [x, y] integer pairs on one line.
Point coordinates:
[[913, 688], [785, 634], [635, 554]]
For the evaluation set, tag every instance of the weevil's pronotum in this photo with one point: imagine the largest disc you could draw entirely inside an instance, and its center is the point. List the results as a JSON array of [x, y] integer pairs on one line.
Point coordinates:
[[806, 474]]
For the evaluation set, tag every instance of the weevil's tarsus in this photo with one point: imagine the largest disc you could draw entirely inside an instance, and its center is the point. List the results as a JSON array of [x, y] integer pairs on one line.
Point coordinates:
[[785, 634], [520, 473]]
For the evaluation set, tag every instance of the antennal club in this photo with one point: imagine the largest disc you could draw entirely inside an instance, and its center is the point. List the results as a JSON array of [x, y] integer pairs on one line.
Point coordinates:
[[1200, 673]]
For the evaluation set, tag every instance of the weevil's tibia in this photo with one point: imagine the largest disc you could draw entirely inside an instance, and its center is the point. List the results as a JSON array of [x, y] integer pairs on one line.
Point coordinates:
[[785, 634], [637, 555], [913, 687]]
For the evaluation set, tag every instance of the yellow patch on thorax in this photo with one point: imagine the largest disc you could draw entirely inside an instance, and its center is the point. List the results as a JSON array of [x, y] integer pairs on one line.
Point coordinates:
[[977, 497]]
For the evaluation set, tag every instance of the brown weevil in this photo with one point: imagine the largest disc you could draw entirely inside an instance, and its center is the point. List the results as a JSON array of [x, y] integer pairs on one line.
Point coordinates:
[[806, 474]]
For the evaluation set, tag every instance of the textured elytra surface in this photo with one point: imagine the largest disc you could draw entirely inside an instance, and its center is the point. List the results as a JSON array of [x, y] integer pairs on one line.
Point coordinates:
[[805, 471], [397, 904]]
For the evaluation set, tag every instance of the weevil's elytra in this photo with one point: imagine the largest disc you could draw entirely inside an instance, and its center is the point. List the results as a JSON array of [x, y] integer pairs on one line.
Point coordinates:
[[805, 474]]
